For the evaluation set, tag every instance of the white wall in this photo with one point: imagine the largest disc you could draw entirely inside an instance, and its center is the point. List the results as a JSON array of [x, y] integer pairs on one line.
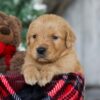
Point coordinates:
[[84, 17]]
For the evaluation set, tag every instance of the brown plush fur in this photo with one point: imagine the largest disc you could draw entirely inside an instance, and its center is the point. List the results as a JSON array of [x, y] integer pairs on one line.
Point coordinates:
[[53, 33], [15, 27], [17, 61], [11, 23]]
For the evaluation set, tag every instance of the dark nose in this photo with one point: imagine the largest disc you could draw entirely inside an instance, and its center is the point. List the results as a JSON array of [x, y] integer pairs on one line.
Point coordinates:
[[41, 50]]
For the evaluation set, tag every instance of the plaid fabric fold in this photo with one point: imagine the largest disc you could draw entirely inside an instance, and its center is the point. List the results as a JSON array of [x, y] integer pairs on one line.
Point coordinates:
[[62, 87], [10, 83], [66, 87]]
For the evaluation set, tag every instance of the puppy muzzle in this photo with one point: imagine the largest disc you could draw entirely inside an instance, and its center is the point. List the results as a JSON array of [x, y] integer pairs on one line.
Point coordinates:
[[41, 51]]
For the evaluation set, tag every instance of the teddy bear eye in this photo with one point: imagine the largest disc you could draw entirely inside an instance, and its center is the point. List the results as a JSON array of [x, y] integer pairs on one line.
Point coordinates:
[[5, 30], [34, 36], [55, 37]]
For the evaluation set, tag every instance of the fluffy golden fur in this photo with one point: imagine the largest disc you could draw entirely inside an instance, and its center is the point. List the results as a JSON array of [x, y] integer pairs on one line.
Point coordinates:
[[56, 36]]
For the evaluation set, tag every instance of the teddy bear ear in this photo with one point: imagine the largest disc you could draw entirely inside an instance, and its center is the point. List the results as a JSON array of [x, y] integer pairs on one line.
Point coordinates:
[[2, 14], [3, 18], [16, 27], [17, 22]]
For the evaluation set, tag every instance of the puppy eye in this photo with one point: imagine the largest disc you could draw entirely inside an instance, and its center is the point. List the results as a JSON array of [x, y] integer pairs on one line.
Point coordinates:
[[55, 37], [34, 36]]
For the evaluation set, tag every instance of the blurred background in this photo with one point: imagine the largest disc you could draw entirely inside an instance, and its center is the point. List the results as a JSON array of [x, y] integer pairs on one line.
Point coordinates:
[[83, 16]]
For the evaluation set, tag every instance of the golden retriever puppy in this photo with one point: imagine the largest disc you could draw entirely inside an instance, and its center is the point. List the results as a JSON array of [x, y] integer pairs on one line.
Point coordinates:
[[50, 50]]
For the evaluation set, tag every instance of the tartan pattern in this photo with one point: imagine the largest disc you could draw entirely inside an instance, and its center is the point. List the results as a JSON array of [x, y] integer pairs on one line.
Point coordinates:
[[10, 83], [66, 87], [63, 87]]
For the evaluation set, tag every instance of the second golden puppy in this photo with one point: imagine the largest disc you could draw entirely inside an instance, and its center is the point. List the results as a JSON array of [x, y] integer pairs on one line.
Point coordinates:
[[50, 50]]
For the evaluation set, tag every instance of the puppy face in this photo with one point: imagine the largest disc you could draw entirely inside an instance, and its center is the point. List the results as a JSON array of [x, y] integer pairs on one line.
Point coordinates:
[[48, 37]]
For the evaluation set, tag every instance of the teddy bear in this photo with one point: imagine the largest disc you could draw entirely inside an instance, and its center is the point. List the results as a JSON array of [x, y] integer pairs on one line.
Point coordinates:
[[10, 38]]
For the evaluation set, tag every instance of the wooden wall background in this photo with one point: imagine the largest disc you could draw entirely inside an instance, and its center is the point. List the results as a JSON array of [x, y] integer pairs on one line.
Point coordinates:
[[57, 6], [84, 17]]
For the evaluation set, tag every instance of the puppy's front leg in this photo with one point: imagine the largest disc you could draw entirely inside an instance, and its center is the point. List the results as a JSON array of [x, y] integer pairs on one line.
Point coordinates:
[[31, 74], [47, 74]]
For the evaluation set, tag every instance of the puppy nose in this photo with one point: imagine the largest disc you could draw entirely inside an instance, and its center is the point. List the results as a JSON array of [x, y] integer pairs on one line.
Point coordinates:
[[41, 50]]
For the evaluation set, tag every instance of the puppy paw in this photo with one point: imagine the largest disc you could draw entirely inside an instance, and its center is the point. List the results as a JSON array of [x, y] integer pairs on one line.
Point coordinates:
[[31, 75], [46, 77]]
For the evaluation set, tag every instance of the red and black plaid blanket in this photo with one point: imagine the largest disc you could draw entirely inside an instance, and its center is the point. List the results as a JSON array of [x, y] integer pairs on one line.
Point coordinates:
[[63, 87]]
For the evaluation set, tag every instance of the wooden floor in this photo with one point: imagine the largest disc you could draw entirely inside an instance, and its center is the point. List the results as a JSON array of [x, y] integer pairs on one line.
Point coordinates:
[[92, 94]]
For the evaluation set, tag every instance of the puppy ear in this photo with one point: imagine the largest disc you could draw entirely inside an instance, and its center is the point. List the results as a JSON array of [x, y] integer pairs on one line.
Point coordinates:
[[27, 39], [70, 38]]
